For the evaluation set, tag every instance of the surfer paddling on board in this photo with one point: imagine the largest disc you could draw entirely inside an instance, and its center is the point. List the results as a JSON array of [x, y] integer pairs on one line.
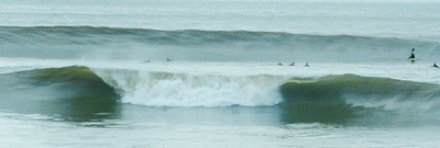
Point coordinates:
[[435, 65], [412, 57]]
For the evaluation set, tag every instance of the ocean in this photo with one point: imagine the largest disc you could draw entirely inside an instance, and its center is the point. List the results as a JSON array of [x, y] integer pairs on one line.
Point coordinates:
[[219, 73]]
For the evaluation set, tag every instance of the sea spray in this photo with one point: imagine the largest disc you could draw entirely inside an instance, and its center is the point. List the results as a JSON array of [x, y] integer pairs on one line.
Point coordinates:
[[183, 89]]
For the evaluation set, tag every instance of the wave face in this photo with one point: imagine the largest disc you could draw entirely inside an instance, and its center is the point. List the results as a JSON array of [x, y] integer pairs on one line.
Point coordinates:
[[343, 97], [127, 43], [74, 93]]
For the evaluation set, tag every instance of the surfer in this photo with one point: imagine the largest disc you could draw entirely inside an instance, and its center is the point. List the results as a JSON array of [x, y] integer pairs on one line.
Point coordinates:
[[307, 64], [169, 60], [292, 64], [280, 64], [435, 65], [412, 57]]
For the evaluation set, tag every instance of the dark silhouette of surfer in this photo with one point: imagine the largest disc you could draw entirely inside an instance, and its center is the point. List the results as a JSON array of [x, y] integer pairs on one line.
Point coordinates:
[[412, 57], [307, 64], [435, 65], [280, 64], [292, 64]]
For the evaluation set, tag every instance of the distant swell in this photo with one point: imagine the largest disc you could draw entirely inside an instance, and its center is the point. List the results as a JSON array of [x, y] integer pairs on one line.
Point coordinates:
[[100, 35], [131, 43]]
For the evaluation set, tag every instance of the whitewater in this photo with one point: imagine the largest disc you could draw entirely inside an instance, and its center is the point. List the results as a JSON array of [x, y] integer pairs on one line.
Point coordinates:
[[212, 73]]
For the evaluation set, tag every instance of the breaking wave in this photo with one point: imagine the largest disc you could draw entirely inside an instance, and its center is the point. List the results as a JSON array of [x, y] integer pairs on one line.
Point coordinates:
[[80, 93]]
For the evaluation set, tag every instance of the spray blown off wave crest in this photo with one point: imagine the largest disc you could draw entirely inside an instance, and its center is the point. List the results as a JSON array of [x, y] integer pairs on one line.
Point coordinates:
[[102, 42]]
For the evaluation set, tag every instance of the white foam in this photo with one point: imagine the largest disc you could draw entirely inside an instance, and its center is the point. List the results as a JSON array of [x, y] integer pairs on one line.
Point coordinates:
[[183, 89]]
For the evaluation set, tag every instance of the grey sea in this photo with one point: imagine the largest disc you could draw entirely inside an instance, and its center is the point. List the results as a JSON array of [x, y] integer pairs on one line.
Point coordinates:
[[219, 73]]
